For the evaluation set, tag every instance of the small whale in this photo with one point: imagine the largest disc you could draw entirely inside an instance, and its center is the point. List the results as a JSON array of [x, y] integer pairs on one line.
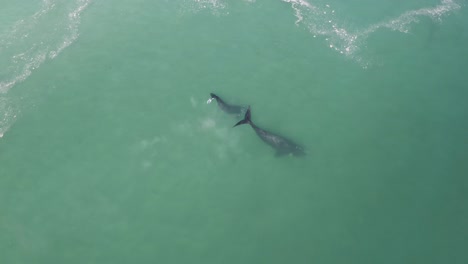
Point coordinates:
[[228, 108], [282, 145]]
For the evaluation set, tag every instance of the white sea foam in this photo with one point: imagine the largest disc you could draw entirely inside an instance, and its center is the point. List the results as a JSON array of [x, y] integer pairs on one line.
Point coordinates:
[[8, 114], [322, 21], [33, 40], [74, 19]]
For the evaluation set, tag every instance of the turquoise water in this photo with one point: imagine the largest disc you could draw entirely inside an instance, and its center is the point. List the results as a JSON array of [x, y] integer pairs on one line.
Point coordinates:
[[109, 152]]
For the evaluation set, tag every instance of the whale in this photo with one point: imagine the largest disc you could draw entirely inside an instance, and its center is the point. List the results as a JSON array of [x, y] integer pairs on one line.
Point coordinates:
[[237, 110], [282, 145]]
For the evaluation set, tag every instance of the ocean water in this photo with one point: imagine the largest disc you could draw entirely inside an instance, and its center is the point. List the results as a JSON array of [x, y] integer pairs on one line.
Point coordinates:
[[109, 152]]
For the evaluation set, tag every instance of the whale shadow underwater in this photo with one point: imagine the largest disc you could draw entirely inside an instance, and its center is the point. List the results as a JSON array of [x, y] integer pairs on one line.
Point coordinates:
[[282, 145]]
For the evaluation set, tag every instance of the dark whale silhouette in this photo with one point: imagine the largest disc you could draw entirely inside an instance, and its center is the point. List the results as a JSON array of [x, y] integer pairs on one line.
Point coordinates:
[[282, 145], [228, 108]]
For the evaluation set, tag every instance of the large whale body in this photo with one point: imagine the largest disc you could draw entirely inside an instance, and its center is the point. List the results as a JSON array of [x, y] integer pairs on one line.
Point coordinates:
[[282, 145]]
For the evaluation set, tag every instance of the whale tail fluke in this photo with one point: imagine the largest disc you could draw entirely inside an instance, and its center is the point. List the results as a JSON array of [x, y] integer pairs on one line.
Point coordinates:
[[246, 119]]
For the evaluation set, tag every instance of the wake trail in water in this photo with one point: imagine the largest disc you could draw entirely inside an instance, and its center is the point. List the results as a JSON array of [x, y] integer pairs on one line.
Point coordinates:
[[323, 21], [33, 40]]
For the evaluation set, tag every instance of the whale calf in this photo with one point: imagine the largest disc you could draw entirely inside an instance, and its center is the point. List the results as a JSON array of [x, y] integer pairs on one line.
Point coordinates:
[[282, 145], [237, 110]]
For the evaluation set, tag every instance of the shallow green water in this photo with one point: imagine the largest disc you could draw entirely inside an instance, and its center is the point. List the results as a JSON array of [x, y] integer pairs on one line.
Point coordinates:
[[110, 154]]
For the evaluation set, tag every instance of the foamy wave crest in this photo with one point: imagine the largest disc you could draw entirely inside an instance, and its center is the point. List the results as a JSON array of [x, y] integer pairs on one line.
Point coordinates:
[[33, 40], [322, 21], [8, 114], [74, 20], [30, 42], [402, 22]]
